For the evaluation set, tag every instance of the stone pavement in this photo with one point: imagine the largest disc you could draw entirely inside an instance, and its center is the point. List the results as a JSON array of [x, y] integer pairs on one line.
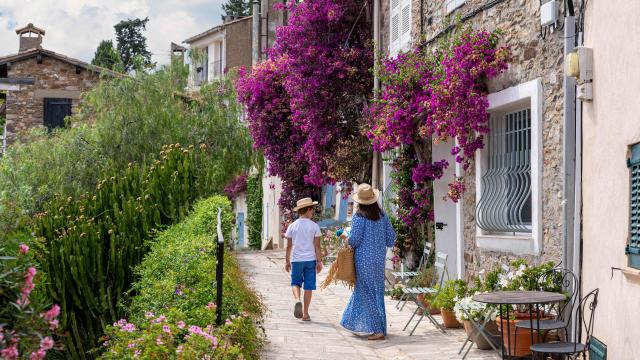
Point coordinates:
[[324, 338]]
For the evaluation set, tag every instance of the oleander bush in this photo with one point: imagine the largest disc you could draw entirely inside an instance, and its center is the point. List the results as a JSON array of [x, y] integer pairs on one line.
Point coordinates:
[[171, 313]]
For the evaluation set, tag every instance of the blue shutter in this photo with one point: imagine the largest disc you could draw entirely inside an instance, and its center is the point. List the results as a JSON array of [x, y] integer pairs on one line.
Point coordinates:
[[342, 216], [633, 248], [597, 350], [240, 230], [329, 196]]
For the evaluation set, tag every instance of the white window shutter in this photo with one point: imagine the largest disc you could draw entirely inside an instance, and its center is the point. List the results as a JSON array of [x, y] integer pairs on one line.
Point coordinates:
[[405, 36], [395, 28]]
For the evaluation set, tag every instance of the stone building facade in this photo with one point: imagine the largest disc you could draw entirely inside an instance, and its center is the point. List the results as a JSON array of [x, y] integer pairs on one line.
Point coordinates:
[[41, 87], [537, 66], [46, 76]]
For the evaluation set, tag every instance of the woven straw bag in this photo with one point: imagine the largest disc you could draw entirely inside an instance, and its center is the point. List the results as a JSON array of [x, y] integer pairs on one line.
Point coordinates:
[[343, 269]]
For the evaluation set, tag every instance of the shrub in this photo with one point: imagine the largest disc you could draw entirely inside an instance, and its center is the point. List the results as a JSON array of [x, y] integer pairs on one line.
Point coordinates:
[[254, 210], [175, 284], [26, 325], [93, 242], [451, 291]]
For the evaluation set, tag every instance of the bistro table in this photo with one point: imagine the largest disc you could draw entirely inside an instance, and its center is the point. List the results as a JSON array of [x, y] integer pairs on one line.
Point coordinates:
[[528, 298]]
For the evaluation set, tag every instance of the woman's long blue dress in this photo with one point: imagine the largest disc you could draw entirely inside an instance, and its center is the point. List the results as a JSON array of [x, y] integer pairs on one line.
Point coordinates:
[[365, 312]]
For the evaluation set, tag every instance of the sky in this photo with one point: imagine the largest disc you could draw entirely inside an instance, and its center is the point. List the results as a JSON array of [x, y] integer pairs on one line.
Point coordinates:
[[76, 27]]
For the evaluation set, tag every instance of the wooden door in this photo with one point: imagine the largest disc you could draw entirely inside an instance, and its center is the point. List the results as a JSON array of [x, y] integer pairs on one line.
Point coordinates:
[[55, 110]]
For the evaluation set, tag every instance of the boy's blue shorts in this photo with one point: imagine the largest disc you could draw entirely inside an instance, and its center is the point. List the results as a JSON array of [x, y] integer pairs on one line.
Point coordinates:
[[304, 272]]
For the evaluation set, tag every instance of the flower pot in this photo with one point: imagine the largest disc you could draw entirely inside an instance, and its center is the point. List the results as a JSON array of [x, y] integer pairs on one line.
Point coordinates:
[[478, 339], [449, 319], [520, 344]]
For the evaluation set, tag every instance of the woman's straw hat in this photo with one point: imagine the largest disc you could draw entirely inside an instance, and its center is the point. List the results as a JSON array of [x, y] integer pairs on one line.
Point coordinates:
[[303, 203], [365, 194]]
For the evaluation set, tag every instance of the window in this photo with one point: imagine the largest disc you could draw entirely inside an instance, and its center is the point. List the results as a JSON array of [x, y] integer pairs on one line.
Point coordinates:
[[452, 5], [55, 110], [633, 247], [400, 26], [509, 172], [505, 203]]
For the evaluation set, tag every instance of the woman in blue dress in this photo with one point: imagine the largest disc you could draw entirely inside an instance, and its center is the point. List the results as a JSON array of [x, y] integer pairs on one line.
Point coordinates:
[[371, 234]]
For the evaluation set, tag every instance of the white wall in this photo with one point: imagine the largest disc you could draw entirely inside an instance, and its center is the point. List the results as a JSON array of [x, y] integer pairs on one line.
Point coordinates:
[[610, 125], [240, 206], [271, 219]]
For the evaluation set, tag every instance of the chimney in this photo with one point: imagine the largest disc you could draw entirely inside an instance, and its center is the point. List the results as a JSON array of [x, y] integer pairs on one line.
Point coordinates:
[[30, 37], [229, 18]]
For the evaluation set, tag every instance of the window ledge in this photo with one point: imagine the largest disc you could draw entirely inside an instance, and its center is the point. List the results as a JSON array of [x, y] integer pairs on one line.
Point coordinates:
[[631, 273], [518, 244]]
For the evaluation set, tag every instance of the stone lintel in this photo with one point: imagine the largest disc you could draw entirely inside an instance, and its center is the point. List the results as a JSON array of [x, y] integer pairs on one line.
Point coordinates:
[[64, 94]]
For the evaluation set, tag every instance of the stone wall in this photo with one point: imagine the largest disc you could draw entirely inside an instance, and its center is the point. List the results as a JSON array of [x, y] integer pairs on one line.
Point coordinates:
[[53, 78], [533, 57], [238, 40]]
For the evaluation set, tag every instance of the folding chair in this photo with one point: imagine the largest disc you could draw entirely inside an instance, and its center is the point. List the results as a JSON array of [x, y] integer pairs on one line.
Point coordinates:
[[434, 289], [404, 276]]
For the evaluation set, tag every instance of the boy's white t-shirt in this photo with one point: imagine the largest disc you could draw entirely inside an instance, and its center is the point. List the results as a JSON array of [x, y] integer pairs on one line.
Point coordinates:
[[302, 232]]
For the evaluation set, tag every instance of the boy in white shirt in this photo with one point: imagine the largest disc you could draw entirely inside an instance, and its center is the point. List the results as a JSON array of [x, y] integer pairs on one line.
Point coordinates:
[[304, 259]]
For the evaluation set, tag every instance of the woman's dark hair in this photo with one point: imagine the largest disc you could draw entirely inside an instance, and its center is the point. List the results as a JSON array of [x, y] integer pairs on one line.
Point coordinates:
[[371, 212]]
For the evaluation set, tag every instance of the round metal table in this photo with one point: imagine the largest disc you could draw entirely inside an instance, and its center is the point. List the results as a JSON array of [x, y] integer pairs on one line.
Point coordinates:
[[528, 298]]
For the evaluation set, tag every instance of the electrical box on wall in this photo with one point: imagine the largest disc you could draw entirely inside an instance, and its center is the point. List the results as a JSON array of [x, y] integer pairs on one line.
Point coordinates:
[[585, 60], [585, 91], [549, 13]]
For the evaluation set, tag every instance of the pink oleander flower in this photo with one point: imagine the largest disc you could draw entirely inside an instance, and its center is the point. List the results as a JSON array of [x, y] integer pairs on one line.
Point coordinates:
[[149, 315], [131, 345], [166, 329], [38, 355], [181, 324], [23, 249], [53, 324], [211, 306], [136, 353], [179, 349], [160, 319], [159, 341], [46, 343], [129, 328], [52, 313], [28, 287], [10, 353]]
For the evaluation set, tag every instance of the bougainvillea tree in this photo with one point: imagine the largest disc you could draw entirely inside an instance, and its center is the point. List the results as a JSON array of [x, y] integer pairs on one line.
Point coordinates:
[[433, 95], [236, 186], [304, 104]]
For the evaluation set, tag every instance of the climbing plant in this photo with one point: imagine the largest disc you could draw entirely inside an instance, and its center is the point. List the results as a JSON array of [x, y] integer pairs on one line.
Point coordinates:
[[304, 103], [254, 210]]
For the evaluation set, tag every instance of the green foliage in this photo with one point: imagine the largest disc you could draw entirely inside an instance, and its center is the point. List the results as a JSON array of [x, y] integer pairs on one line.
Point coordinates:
[[106, 56], [175, 280], [132, 44], [424, 279], [122, 120], [237, 8], [93, 241], [451, 291], [254, 210]]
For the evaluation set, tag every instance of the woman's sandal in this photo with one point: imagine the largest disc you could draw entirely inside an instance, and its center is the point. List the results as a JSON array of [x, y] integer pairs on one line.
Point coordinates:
[[308, 318], [374, 337]]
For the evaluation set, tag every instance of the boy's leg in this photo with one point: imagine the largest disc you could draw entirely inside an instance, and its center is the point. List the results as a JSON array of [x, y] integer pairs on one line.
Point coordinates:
[[296, 283], [309, 285]]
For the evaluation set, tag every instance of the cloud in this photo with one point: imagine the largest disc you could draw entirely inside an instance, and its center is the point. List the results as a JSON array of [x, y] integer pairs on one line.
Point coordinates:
[[76, 27]]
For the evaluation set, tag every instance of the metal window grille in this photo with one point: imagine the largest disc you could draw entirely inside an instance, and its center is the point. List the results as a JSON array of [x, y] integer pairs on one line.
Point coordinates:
[[505, 202], [633, 248]]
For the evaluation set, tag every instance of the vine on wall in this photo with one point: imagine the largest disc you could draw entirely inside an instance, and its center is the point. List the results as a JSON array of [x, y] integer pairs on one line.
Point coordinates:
[[254, 210]]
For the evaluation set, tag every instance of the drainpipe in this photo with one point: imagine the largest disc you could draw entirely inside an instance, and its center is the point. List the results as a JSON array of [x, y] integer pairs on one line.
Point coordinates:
[[568, 151], [375, 174], [255, 33]]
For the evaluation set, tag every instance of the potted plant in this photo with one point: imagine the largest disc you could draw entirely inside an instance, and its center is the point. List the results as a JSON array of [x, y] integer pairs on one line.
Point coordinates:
[[446, 301], [425, 279], [466, 310]]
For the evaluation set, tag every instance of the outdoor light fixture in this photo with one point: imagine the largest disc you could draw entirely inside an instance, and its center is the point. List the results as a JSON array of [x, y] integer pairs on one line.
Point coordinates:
[[579, 65]]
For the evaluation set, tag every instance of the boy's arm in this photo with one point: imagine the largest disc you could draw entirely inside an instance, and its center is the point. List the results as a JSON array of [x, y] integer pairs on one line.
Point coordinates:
[[287, 266], [316, 243]]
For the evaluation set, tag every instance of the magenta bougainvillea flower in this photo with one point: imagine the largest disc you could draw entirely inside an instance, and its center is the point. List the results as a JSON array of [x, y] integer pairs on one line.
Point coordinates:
[[304, 103]]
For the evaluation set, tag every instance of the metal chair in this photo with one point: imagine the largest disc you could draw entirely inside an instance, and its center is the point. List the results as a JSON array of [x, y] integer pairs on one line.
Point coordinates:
[[441, 269], [571, 350], [404, 276], [561, 279]]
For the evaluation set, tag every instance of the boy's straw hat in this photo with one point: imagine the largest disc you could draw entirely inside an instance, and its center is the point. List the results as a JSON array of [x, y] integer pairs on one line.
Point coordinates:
[[365, 194], [303, 203]]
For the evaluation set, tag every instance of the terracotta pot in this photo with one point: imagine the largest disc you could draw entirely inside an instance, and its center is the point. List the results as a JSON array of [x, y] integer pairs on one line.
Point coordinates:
[[449, 319], [520, 344], [478, 339]]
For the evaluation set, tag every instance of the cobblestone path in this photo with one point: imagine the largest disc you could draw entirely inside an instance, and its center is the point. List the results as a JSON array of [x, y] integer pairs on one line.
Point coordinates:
[[324, 338]]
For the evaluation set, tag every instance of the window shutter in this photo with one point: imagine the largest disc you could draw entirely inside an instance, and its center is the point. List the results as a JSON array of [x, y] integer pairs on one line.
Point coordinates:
[[405, 37], [633, 248], [394, 27]]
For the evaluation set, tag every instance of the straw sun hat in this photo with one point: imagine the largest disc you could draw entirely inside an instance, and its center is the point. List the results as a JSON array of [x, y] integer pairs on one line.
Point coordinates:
[[365, 194], [303, 203]]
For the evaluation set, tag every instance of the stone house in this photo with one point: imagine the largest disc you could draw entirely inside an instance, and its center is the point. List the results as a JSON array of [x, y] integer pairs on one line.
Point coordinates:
[[528, 99], [220, 48], [41, 87]]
